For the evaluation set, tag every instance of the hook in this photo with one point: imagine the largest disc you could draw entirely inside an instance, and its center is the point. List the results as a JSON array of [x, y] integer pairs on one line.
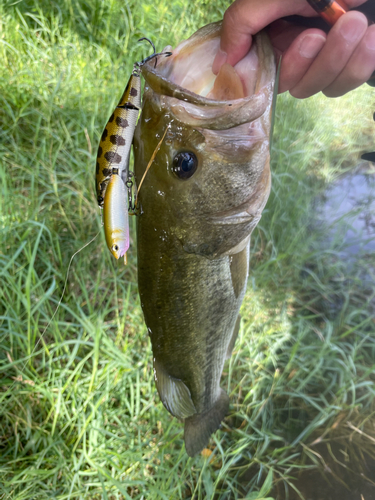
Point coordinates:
[[166, 54]]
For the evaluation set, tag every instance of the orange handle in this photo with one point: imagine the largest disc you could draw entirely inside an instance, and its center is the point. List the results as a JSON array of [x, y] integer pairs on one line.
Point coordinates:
[[329, 10]]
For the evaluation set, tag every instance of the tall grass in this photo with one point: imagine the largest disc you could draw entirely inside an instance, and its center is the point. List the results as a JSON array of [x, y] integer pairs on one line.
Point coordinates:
[[79, 414]]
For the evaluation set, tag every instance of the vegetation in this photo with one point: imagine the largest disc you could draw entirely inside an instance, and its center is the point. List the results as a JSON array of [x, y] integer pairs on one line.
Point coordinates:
[[79, 413]]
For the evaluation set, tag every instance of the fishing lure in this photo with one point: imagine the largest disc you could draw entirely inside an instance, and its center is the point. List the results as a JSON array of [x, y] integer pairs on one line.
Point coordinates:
[[113, 178], [115, 143]]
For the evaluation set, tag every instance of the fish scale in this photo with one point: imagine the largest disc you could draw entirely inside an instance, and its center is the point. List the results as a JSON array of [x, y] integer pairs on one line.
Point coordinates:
[[115, 144], [201, 199]]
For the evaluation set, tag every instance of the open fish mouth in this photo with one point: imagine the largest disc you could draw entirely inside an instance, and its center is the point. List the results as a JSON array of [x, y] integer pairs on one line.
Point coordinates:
[[224, 120], [195, 95]]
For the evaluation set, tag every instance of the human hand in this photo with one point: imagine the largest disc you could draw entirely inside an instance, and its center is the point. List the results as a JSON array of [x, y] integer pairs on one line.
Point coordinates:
[[312, 61]]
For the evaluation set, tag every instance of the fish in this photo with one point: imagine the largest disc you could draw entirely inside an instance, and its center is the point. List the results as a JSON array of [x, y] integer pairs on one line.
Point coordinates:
[[201, 199]]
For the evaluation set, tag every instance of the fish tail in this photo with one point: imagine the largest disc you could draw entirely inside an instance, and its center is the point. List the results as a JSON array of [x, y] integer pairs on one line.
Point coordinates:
[[199, 427]]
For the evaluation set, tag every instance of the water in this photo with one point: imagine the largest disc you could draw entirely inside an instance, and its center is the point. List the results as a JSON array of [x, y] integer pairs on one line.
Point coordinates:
[[348, 211]]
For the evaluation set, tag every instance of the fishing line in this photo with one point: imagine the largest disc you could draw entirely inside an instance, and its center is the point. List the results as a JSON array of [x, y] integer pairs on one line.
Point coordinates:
[[57, 307], [66, 282], [151, 161]]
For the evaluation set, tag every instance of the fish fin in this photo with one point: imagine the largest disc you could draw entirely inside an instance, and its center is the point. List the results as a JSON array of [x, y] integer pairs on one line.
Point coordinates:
[[239, 267], [199, 428], [174, 394], [233, 339]]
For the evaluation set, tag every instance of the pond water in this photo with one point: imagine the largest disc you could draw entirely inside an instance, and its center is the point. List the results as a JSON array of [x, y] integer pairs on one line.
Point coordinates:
[[348, 211], [346, 221]]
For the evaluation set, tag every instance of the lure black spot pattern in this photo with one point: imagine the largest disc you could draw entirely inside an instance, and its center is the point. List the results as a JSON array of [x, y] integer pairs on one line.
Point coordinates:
[[112, 157], [117, 139], [121, 122], [118, 134], [115, 143]]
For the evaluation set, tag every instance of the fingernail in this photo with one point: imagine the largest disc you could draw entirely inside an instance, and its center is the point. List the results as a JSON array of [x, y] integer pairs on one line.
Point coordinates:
[[220, 59], [353, 29], [311, 45]]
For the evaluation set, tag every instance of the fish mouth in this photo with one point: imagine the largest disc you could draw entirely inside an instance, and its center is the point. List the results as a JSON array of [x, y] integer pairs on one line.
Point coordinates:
[[185, 83]]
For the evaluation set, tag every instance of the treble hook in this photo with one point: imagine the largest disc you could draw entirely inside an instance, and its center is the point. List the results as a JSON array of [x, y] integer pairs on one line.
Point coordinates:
[[149, 41], [166, 54]]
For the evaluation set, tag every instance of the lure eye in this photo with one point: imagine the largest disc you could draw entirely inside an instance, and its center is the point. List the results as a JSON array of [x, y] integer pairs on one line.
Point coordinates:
[[115, 248], [184, 164]]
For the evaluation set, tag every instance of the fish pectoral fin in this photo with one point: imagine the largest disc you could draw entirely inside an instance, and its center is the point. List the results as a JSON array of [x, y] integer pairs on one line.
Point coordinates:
[[199, 428], [239, 267], [174, 394]]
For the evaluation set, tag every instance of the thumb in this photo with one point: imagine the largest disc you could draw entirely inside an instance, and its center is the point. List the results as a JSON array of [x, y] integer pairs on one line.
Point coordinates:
[[243, 19]]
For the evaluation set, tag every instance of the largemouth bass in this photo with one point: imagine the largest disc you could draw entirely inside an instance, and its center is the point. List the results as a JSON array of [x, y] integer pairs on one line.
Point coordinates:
[[201, 199]]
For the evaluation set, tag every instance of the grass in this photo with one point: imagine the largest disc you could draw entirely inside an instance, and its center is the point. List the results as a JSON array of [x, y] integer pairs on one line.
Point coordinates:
[[79, 414]]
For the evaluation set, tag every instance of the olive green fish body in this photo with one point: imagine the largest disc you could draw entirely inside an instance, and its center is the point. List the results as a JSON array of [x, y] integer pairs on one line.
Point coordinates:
[[201, 199], [115, 143]]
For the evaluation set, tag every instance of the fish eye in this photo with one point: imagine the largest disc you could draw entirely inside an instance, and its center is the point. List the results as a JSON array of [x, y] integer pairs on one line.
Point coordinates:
[[115, 248], [184, 164]]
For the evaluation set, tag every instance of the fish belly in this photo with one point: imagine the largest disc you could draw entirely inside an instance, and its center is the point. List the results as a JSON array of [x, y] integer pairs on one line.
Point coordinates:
[[191, 305]]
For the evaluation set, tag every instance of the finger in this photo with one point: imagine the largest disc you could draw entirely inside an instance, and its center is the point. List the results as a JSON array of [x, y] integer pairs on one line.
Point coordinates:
[[341, 42], [282, 34], [359, 68], [243, 19], [299, 57]]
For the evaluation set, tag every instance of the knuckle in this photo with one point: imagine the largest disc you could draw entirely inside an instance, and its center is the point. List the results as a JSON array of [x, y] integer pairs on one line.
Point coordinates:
[[230, 16]]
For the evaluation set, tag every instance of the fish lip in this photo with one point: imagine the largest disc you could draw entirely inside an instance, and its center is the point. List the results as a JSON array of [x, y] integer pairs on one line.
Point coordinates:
[[240, 218], [199, 111], [158, 83], [162, 85]]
